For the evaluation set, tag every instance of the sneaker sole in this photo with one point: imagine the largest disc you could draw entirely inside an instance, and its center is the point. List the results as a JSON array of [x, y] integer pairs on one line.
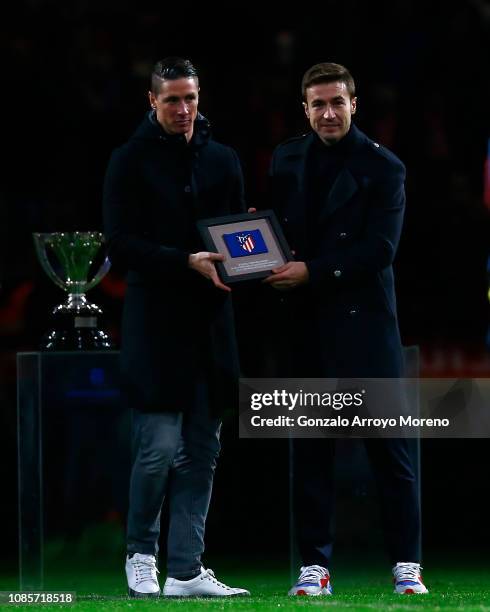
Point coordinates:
[[137, 595], [302, 593], [205, 596]]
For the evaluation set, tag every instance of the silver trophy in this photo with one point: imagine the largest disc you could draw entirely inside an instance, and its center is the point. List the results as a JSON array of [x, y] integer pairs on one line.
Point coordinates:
[[76, 320]]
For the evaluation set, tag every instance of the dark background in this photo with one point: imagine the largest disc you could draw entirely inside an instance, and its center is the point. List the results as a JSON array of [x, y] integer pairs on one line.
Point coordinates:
[[75, 81]]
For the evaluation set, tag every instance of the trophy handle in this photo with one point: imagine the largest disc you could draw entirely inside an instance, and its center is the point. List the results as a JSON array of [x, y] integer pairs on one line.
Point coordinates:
[[104, 268], [39, 244]]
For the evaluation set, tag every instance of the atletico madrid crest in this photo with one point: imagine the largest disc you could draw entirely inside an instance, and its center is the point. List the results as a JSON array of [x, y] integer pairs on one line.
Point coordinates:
[[242, 244]]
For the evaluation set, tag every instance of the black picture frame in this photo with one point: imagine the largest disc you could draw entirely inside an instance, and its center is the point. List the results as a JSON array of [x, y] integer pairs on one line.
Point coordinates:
[[246, 266]]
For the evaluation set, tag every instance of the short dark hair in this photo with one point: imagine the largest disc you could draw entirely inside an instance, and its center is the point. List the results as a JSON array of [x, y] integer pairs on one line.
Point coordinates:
[[327, 72], [169, 69]]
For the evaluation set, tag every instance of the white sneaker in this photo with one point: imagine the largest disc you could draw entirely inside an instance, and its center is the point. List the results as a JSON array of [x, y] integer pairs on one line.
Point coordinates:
[[203, 585], [141, 572], [407, 579], [313, 580]]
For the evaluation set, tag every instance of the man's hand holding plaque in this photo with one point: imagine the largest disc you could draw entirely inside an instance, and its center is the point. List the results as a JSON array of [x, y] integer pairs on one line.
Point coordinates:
[[204, 263], [252, 245]]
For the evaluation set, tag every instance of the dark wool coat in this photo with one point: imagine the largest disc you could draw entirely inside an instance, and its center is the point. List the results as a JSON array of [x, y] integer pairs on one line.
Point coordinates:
[[177, 327], [344, 322]]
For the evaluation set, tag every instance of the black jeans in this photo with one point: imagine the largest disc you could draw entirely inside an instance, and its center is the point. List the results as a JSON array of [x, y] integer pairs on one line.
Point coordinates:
[[313, 494]]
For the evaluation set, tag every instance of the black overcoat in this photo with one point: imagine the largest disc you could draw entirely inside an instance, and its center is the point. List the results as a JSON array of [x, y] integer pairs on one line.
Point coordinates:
[[177, 327], [343, 323]]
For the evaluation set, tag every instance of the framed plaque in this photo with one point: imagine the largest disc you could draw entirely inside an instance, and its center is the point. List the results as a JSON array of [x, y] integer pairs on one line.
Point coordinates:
[[252, 244]]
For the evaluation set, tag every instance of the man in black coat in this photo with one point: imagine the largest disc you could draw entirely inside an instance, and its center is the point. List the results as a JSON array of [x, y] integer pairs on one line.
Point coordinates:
[[340, 198], [178, 353]]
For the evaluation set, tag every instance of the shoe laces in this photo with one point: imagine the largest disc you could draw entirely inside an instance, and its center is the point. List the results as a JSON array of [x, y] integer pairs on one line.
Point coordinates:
[[145, 569], [312, 573], [209, 575], [407, 571]]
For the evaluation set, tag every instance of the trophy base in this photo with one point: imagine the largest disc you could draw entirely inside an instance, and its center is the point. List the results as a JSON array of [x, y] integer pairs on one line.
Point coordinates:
[[75, 327], [88, 339]]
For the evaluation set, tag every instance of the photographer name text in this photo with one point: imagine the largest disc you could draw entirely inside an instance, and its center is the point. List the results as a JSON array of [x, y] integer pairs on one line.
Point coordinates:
[[338, 421]]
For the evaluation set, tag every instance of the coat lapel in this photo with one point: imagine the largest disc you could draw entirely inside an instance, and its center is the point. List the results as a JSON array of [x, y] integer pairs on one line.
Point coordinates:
[[296, 212], [344, 187]]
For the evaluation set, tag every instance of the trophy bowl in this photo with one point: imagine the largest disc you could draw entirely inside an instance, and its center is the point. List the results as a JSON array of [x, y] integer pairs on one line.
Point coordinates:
[[75, 325]]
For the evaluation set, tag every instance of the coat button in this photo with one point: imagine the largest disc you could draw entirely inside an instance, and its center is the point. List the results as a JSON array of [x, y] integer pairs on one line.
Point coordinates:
[[187, 189], [337, 273], [353, 312], [285, 219]]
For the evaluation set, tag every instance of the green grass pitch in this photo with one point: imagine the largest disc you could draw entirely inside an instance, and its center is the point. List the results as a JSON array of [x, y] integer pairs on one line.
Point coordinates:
[[360, 587]]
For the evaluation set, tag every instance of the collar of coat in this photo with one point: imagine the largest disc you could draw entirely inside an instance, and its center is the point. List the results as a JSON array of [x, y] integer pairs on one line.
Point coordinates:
[[150, 129], [294, 152], [352, 141]]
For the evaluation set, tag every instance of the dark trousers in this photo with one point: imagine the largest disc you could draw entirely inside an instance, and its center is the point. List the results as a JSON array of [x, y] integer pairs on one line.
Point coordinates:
[[313, 495]]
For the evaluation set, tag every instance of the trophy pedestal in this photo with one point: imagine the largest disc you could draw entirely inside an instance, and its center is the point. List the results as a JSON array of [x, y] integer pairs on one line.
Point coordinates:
[[74, 460], [76, 327]]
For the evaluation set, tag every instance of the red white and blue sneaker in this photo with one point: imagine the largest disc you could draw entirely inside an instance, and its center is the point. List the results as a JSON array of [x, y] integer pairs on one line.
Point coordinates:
[[407, 579], [313, 580]]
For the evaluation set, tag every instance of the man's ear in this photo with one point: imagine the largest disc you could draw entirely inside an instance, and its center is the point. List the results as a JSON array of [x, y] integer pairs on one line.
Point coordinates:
[[307, 112], [353, 105], [152, 98]]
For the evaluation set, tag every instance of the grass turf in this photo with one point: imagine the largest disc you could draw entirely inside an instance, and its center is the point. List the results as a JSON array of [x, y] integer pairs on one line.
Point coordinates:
[[364, 587]]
